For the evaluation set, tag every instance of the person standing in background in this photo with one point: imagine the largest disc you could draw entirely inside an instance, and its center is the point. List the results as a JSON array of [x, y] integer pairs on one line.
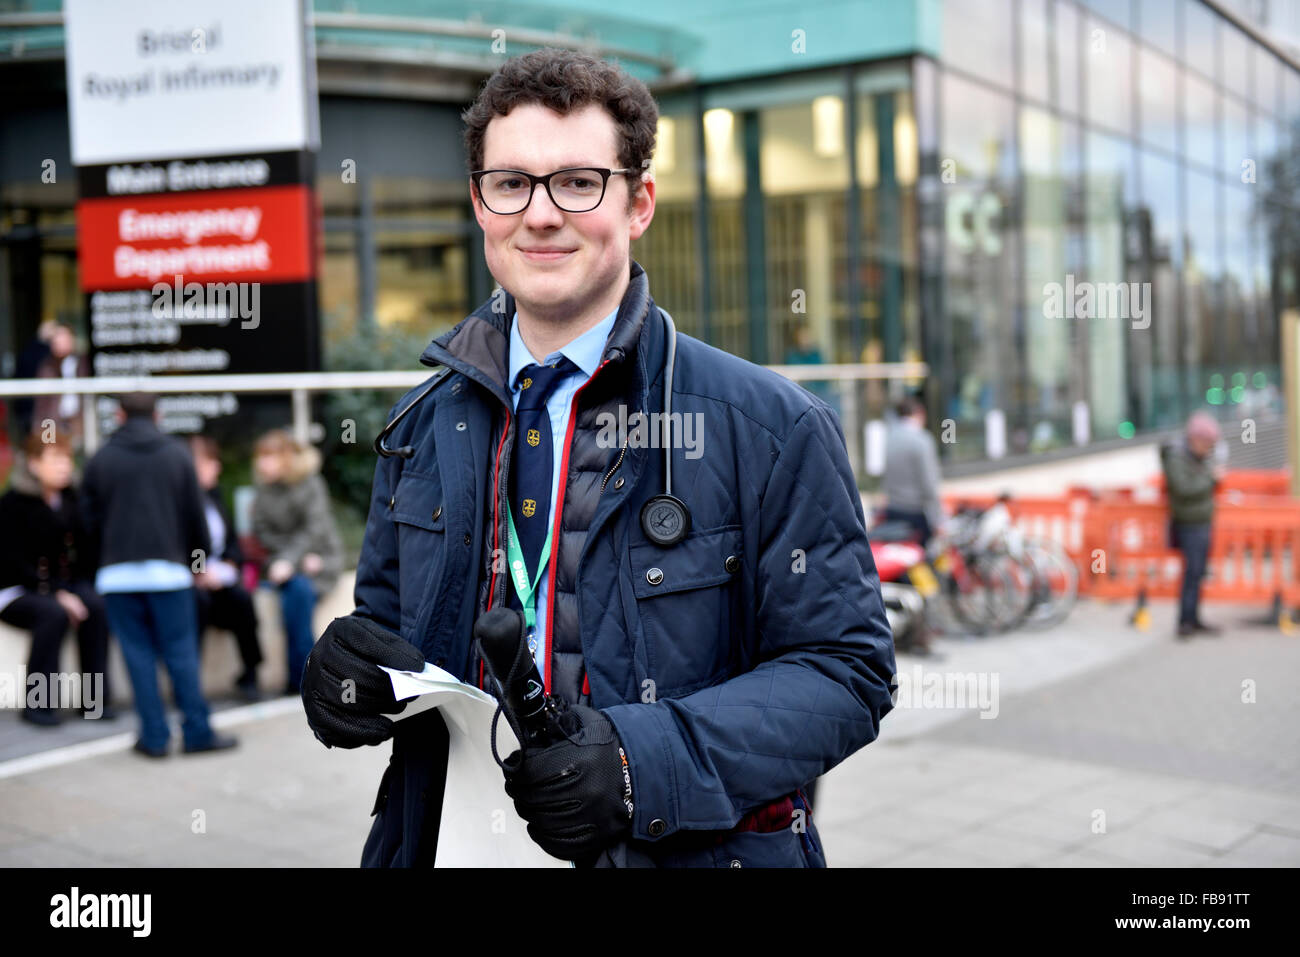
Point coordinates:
[[911, 480], [142, 506], [222, 600], [63, 362], [29, 361], [293, 521], [45, 576], [1190, 478]]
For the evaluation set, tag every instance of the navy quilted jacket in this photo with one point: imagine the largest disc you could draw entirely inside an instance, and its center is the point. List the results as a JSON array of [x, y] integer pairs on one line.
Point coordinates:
[[754, 657]]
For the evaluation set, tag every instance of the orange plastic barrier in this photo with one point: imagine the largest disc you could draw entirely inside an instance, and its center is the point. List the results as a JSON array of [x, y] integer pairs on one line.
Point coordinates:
[[1254, 552], [1121, 545], [1239, 482]]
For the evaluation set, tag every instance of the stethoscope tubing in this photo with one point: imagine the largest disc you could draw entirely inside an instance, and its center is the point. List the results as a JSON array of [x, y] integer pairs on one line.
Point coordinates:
[[670, 367]]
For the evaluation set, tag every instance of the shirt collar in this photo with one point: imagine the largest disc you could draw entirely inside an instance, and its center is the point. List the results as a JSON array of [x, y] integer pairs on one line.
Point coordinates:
[[584, 351]]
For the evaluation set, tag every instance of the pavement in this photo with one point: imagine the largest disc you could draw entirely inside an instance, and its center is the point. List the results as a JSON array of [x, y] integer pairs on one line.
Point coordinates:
[[1109, 748], [1104, 746]]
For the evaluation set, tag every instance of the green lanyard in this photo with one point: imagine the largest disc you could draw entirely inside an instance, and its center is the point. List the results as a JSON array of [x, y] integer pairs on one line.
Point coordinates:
[[524, 588]]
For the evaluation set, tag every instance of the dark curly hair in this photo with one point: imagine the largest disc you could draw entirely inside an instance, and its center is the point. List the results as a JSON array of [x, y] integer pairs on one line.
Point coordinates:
[[564, 81]]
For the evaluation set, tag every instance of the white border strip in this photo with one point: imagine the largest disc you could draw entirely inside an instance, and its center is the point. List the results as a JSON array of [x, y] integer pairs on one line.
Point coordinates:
[[124, 741]]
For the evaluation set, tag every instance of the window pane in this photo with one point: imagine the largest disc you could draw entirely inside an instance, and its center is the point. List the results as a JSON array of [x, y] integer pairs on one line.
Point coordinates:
[[1268, 71], [1291, 91], [1048, 343], [1110, 198], [1034, 40], [979, 283], [1200, 130], [724, 159], [1068, 47], [338, 289], [1157, 86], [889, 290], [1158, 24], [1200, 49], [1239, 320], [1236, 137], [1201, 278], [804, 163], [1162, 252], [1109, 90], [977, 38], [1236, 59], [1267, 144], [421, 279], [669, 250], [1117, 11]]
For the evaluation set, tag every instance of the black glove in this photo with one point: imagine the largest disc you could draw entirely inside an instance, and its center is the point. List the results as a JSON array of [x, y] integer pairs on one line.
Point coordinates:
[[352, 648], [576, 793]]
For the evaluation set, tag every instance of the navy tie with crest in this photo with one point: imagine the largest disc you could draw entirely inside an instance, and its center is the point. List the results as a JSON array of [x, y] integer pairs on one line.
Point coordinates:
[[530, 470]]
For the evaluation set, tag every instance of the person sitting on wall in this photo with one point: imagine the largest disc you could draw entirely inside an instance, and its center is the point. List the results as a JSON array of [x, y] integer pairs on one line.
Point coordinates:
[[293, 522], [222, 601], [45, 577]]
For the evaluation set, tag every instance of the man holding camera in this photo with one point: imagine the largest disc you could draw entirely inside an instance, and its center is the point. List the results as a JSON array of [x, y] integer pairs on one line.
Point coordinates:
[[716, 654]]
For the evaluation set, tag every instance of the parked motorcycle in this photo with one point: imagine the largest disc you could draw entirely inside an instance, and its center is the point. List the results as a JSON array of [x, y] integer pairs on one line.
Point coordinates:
[[906, 584]]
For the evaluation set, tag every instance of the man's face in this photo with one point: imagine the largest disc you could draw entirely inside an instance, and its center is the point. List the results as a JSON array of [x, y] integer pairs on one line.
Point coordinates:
[[558, 265], [1201, 445]]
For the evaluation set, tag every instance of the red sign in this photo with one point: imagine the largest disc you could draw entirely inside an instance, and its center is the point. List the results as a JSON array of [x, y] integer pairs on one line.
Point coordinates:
[[262, 234]]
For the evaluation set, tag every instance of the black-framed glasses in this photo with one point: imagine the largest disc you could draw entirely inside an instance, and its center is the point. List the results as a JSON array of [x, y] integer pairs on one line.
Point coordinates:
[[508, 192]]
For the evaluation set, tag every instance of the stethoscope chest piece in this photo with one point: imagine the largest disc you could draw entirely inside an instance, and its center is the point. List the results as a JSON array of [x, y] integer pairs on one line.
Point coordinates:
[[665, 519]]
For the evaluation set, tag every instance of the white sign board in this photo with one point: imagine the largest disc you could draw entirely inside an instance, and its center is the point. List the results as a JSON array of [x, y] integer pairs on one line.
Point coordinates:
[[152, 79]]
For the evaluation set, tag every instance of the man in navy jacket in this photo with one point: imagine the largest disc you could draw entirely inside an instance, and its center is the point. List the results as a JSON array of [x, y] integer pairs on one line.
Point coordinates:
[[722, 673]]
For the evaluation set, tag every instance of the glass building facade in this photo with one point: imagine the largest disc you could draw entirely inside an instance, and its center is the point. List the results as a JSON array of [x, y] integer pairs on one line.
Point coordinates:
[[919, 181], [934, 206]]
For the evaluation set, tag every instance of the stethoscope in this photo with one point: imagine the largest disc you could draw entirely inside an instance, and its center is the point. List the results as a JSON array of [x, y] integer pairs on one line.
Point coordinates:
[[665, 519]]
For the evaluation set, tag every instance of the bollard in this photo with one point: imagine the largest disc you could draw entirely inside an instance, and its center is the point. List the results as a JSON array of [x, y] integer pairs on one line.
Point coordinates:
[[1141, 617]]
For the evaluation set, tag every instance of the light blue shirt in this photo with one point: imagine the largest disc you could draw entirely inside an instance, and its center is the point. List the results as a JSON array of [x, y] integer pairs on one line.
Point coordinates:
[[584, 352], [156, 574]]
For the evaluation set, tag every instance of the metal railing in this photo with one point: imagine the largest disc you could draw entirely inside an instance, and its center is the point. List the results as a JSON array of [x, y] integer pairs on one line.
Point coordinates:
[[300, 385]]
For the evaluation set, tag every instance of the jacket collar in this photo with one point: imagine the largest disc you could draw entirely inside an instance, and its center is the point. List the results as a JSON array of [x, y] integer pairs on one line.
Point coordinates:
[[478, 346]]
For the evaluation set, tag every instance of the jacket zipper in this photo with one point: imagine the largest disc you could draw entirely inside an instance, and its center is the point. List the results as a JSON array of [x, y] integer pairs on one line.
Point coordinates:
[[621, 452]]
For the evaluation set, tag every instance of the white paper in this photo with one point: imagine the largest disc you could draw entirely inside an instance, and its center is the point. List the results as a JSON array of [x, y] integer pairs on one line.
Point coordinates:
[[479, 825]]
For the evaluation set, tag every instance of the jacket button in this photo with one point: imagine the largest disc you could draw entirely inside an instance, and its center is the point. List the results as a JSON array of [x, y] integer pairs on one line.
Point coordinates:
[[455, 388], [392, 501], [468, 540], [618, 482], [438, 511], [657, 827], [654, 576], [732, 563], [735, 863], [460, 426]]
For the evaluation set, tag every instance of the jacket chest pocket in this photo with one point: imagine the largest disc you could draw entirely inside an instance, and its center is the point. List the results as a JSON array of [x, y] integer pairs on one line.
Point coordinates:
[[418, 514], [685, 599]]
